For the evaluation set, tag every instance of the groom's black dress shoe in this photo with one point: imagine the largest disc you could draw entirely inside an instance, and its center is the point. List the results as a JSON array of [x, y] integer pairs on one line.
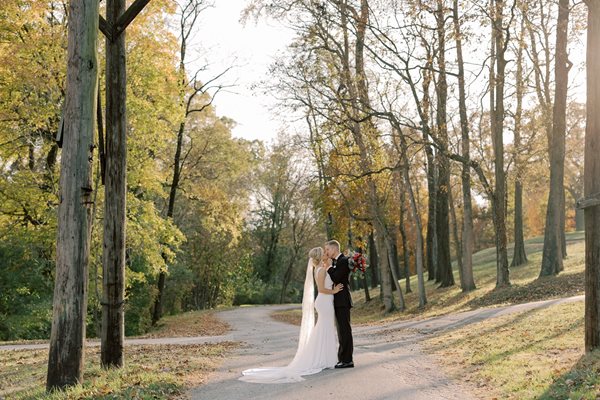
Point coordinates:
[[345, 365]]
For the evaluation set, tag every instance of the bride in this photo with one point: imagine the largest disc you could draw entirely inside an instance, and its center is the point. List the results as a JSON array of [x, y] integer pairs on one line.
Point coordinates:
[[317, 347]]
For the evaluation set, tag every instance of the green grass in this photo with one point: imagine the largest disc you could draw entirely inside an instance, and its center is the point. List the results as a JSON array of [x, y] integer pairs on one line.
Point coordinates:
[[525, 287], [537, 354], [151, 372]]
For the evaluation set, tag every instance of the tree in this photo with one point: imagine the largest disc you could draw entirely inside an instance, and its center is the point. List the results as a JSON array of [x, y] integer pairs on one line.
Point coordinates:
[[519, 254], [442, 219], [591, 181], [497, 81], [552, 258], [467, 282], [65, 361]]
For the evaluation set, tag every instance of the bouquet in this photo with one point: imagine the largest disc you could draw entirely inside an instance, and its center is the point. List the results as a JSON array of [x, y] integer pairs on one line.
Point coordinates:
[[357, 262]]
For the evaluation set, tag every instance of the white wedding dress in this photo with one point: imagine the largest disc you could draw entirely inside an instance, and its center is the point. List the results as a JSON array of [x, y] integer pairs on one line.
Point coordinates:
[[317, 347]]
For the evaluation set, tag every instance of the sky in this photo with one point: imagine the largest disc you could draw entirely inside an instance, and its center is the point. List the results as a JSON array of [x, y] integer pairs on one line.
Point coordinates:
[[222, 40]]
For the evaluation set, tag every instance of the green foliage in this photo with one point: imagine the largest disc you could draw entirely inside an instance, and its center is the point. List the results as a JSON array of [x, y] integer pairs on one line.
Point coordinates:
[[26, 284]]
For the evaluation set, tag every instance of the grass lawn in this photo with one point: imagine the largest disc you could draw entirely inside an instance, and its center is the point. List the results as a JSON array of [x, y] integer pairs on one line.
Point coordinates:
[[189, 324], [151, 372], [525, 287], [536, 354]]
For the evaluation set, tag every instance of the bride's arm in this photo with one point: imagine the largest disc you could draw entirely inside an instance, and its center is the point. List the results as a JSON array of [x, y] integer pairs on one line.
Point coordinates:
[[321, 284]]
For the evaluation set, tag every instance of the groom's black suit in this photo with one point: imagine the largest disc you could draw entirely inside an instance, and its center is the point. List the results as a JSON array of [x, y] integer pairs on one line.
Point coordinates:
[[342, 301]]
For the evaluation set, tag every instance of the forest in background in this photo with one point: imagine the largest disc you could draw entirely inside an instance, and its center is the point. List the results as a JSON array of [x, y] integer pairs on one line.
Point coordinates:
[[396, 143]]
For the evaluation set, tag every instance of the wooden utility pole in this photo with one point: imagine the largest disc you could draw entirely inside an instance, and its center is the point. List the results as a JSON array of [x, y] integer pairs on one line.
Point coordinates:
[[591, 202], [115, 189], [65, 361]]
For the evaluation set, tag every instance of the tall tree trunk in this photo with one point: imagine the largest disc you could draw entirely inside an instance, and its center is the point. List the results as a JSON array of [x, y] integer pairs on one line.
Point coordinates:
[[467, 282], [563, 224], [115, 192], [394, 257], [69, 311], [442, 219], [405, 249], [373, 262], [419, 256], [162, 276], [455, 237], [552, 257], [357, 88], [519, 254], [497, 127], [579, 221], [430, 236], [396, 283], [591, 181]]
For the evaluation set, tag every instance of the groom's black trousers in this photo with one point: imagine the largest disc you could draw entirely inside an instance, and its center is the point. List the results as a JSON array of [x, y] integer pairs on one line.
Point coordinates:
[[342, 316]]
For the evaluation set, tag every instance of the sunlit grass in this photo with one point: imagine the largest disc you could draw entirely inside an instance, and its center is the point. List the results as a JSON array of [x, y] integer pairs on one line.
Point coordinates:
[[151, 372], [537, 354], [525, 287]]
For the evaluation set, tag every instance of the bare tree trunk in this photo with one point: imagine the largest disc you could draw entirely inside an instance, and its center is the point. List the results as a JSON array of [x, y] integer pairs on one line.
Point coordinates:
[[431, 235], [563, 227], [162, 276], [419, 256], [497, 127], [552, 258], [467, 283], [405, 249], [357, 88], [373, 262], [442, 219], [591, 181], [115, 192], [401, 304], [394, 256], [455, 236], [69, 311], [287, 277], [519, 254]]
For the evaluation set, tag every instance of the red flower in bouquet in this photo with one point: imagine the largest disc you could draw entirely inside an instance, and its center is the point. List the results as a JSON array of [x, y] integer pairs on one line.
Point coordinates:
[[358, 262]]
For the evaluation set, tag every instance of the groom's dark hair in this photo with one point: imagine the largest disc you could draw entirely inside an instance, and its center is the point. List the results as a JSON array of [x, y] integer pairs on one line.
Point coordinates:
[[333, 243]]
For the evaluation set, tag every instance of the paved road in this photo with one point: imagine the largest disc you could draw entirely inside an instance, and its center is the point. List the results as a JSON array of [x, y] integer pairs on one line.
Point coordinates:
[[132, 342], [387, 366], [384, 369]]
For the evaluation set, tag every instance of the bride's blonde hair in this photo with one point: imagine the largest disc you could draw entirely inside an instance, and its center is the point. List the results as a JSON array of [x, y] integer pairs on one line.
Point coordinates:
[[316, 255]]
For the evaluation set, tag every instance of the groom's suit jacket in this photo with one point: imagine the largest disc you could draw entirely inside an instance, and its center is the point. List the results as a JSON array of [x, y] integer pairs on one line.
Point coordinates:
[[340, 273]]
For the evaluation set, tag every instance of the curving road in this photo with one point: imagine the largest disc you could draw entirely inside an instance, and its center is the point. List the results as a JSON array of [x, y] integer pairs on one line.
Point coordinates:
[[384, 369], [388, 366]]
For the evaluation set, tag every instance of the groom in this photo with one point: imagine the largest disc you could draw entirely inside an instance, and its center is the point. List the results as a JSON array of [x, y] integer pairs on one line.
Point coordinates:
[[340, 273]]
